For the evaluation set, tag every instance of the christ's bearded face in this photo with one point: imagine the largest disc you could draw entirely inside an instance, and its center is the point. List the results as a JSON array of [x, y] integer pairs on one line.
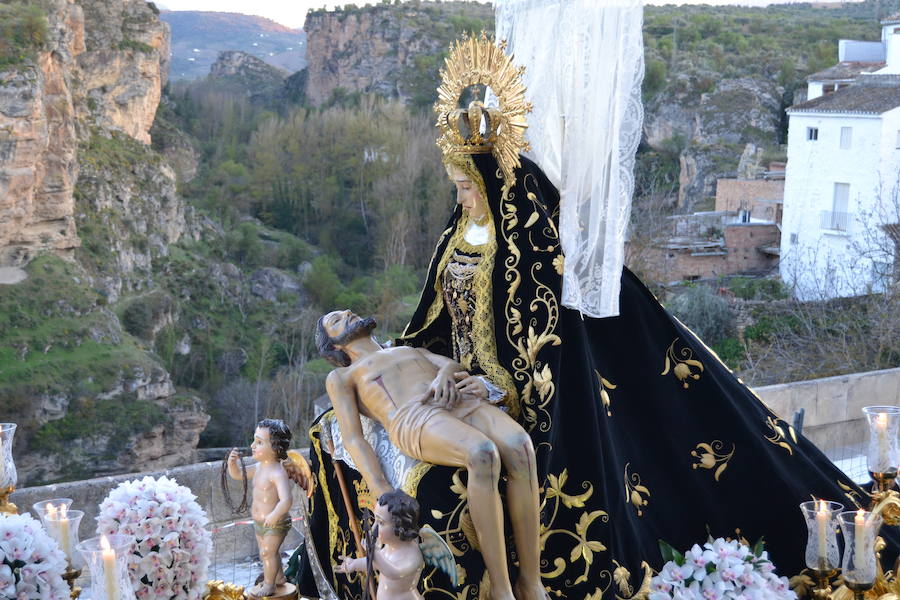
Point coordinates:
[[344, 327]]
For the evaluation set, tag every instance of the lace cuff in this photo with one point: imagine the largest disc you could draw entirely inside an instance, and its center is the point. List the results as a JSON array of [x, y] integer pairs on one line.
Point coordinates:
[[495, 394]]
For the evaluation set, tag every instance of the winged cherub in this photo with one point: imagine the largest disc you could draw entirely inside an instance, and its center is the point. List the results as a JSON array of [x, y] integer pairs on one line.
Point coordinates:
[[403, 549]]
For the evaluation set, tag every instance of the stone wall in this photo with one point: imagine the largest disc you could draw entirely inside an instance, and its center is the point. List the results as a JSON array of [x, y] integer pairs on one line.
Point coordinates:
[[833, 405]]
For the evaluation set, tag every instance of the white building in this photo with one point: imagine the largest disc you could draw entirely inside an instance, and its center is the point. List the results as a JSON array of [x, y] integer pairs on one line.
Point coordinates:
[[842, 185]]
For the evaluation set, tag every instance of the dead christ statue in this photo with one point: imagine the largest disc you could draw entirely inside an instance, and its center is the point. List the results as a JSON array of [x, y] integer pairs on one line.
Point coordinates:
[[434, 411]]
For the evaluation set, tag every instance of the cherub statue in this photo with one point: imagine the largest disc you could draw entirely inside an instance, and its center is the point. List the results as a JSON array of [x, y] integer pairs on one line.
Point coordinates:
[[402, 550], [271, 501]]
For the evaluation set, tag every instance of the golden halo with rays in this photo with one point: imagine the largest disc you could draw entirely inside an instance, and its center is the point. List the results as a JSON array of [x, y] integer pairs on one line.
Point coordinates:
[[478, 60]]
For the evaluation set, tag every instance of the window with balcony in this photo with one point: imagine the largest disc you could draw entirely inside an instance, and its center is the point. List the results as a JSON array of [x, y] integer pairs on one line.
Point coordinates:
[[846, 137], [812, 134]]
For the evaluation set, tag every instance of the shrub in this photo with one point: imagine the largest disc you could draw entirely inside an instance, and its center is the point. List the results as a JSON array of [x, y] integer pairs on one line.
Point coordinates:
[[23, 29], [142, 315], [707, 314]]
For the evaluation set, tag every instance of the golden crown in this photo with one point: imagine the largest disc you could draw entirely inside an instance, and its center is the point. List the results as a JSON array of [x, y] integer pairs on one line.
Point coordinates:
[[472, 130], [478, 61]]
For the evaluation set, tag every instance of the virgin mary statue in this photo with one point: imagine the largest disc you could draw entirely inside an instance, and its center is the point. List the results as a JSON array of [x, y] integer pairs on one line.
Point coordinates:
[[641, 433]]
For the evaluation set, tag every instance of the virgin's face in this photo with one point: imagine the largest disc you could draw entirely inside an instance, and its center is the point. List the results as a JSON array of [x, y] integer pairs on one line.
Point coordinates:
[[467, 193]]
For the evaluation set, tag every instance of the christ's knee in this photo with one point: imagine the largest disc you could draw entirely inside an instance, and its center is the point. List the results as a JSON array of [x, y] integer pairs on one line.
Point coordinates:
[[483, 461], [519, 456]]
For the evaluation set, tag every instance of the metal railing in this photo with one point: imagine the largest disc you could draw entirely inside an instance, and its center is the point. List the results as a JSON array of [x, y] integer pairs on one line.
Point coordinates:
[[835, 221]]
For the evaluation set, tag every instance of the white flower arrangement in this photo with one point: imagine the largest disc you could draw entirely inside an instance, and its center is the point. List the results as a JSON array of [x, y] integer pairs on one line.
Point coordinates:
[[720, 570], [170, 551], [31, 563]]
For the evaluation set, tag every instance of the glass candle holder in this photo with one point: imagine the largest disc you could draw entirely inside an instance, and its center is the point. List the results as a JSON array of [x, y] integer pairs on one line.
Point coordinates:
[[41, 509], [883, 455], [7, 466], [107, 558], [63, 527], [859, 529], [822, 552]]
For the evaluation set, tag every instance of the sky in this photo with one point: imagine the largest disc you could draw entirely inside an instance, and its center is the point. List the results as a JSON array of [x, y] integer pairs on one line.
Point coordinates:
[[293, 12]]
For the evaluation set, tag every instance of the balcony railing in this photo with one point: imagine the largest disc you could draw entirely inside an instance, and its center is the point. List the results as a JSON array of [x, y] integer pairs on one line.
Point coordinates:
[[835, 221]]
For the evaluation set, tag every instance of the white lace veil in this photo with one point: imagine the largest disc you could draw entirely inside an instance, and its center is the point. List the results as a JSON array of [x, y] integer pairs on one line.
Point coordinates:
[[584, 63]]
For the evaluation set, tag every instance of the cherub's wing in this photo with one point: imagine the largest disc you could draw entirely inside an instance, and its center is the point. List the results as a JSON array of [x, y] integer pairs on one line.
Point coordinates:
[[437, 553]]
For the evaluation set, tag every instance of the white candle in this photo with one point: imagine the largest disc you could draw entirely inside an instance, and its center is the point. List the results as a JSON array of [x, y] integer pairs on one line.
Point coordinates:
[[859, 537], [884, 461], [822, 522], [64, 540], [109, 570], [2, 462]]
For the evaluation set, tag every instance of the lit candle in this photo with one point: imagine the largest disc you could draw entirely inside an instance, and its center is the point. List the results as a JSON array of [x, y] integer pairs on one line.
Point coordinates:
[[884, 461], [859, 537], [64, 540], [109, 569], [822, 522], [2, 461]]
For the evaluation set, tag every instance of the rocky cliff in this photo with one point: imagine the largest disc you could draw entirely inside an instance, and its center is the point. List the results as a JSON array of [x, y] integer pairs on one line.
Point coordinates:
[[721, 133], [385, 49], [103, 64], [247, 75], [80, 182]]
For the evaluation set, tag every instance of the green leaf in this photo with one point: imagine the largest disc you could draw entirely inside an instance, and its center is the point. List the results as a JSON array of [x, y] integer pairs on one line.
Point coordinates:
[[758, 547], [667, 551]]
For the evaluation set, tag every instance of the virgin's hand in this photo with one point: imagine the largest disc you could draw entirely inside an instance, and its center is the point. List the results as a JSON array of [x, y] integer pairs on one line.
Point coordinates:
[[443, 388], [471, 385]]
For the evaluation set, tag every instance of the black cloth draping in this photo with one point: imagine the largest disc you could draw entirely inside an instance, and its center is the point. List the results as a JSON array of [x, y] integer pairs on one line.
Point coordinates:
[[641, 432]]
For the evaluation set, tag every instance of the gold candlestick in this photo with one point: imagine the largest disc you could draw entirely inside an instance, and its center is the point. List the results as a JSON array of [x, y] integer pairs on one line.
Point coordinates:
[[859, 589], [822, 591], [5, 505], [70, 576]]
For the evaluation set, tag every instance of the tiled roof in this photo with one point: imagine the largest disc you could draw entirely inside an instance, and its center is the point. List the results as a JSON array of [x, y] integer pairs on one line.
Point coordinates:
[[845, 70], [873, 95], [894, 18]]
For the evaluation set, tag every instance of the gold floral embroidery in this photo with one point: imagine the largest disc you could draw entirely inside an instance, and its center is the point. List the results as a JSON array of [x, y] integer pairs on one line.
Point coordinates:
[[622, 579], [778, 437], [559, 263], [554, 490], [712, 456], [850, 493], [635, 492], [584, 548], [333, 525], [680, 363], [543, 308], [605, 385]]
